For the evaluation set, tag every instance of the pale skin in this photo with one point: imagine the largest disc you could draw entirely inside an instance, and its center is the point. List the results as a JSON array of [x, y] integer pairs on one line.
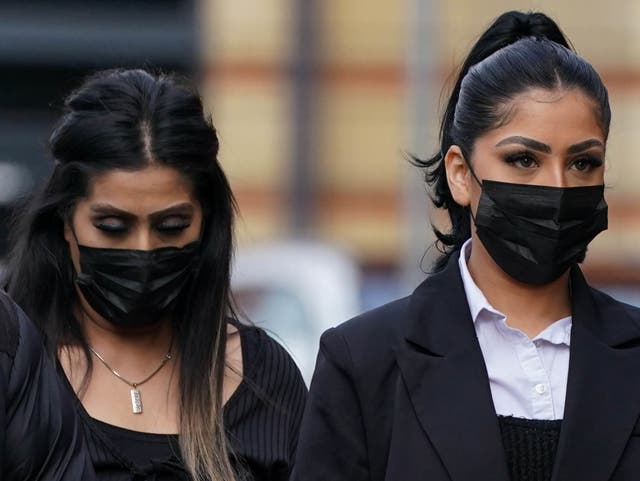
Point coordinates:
[[551, 138], [144, 209]]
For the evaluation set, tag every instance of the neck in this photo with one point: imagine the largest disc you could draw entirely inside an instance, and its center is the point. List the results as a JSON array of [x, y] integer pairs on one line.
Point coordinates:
[[529, 308], [145, 344], [134, 353]]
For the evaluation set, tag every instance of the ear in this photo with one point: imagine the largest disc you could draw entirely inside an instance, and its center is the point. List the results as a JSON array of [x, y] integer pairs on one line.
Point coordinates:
[[458, 175]]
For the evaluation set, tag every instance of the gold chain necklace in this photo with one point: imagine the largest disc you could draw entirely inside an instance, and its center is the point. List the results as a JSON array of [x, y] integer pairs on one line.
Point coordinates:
[[136, 398]]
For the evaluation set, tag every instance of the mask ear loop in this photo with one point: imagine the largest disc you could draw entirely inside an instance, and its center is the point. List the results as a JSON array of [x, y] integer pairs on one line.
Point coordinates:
[[67, 219], [75, 237], [473, 173]]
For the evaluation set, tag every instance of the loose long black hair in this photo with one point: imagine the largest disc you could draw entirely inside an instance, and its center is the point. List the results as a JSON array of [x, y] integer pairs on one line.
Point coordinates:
[[129, 119], [518, 52]]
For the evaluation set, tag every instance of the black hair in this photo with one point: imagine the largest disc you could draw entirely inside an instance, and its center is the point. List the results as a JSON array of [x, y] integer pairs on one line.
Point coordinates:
[[130, 119], [518, 52]]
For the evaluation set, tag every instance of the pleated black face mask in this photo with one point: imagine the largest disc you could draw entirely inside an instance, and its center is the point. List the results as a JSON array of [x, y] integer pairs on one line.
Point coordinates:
[[534, 232], [133, 288]]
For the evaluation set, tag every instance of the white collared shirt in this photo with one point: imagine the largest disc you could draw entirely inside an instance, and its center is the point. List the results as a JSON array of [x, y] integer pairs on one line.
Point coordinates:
[[528, 377]]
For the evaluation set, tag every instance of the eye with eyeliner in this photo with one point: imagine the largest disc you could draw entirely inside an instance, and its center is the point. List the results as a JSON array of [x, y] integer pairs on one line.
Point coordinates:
[[522, 159], [172, 225], [111, 225], [586, 163]]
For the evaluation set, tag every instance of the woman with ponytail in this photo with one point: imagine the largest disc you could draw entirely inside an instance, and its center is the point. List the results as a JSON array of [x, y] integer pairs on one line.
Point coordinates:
[[504, 365], [123, 261]]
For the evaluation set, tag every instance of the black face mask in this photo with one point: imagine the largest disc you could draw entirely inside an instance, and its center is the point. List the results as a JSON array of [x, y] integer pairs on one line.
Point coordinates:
[[133, 288], [535, 233]]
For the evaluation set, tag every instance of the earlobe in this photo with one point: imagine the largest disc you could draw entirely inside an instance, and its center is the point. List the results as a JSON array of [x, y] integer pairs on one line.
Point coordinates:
[[458, 175]]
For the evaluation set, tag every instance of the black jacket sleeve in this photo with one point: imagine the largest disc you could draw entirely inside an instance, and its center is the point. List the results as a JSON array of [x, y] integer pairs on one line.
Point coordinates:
[[332, 444], [41, 439]]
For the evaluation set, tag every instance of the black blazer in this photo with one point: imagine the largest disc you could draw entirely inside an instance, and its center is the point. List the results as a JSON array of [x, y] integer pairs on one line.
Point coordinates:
[[401, 393]]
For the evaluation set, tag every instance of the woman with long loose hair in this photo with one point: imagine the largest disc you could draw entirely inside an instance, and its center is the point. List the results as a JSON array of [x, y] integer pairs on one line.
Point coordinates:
[[123, 261], [504, 364]]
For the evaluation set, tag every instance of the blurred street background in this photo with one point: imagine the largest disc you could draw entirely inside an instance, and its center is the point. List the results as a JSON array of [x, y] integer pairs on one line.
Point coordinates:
[[316, 103]]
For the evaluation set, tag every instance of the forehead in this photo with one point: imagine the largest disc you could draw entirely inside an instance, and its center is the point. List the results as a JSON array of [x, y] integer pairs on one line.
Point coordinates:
[[142, 190], [558, 117]]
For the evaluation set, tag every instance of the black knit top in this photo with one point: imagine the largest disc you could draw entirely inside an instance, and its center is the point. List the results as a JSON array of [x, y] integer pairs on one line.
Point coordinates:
[[262, 419], [530, 446]]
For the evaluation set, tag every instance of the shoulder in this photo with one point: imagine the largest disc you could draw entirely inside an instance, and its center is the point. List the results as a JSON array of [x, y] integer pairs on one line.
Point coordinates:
[[33, 396], [9, 325], [383, 319], [269, 368], [21, 346], [20, 341], [271, 398], [606, 301], [371, 338], [615, 310], [263, 416], [617, 324]]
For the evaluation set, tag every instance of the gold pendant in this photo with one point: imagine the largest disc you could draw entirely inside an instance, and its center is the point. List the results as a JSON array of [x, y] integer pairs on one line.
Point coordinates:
[[136, 401]]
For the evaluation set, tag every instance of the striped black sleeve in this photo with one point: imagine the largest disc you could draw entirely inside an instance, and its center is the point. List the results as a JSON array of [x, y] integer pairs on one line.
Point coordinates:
[[263, 417]]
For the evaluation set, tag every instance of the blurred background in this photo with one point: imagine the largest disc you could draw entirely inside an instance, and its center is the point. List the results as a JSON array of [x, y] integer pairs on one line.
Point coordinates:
[[317, 103]]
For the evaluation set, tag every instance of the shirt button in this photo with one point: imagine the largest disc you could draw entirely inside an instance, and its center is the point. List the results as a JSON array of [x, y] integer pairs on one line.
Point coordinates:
[[541, 388]]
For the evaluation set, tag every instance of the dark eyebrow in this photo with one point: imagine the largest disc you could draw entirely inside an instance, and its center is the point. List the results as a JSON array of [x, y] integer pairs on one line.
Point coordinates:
[[526, 141], [184, 208], [108, 209], [587, 144]]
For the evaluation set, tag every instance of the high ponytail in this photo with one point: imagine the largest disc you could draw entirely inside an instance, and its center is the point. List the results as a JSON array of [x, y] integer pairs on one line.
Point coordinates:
[[508, 29]]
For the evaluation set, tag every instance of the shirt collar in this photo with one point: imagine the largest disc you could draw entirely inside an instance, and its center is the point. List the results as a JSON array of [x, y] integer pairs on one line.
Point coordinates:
[[475, 298], [557, 333]]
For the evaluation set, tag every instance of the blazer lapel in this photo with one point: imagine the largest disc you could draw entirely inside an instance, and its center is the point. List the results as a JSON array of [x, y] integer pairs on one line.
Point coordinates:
[[444, 372], [603, 391]]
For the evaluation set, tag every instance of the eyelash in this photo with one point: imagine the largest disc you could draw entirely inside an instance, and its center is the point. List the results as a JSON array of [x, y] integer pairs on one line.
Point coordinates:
[[111, 229], [512, 159], [171, 228], [591, 160]]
